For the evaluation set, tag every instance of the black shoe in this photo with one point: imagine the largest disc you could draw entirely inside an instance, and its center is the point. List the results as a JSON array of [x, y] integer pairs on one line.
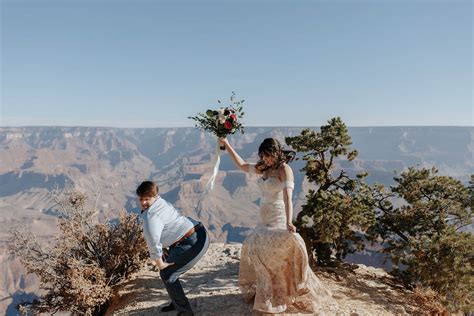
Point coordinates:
[[168, 308], [186, 313]]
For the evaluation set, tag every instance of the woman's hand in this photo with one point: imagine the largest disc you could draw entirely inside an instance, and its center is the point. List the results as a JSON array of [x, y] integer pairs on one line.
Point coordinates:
[[291, 228], [223, 141]]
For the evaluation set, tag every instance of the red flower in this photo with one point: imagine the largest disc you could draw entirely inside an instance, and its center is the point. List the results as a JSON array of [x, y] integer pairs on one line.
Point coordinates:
[[233, 116], [227, 125]]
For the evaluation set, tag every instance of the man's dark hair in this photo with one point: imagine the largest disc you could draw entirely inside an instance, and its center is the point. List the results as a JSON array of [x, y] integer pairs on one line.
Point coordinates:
[[147, 189]]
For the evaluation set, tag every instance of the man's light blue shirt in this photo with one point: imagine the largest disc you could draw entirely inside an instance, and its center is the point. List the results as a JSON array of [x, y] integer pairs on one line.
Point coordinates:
[[163, 225]]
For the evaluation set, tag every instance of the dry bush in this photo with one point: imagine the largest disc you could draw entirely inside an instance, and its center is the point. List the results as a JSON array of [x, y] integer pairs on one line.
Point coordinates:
[[429, 301], [80, 267]]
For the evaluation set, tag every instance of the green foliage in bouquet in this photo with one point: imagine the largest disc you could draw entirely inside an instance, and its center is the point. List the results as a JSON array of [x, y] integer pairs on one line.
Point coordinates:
[[222, 121]]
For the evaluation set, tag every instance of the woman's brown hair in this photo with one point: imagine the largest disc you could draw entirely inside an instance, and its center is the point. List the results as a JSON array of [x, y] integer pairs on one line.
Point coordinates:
[[272, 147]]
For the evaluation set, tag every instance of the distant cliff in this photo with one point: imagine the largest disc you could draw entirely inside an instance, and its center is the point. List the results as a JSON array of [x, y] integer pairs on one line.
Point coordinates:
[[111, 162]]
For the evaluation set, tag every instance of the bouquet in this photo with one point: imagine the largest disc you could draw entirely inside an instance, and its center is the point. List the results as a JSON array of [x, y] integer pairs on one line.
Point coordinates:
[[220, 122], [223, 121]]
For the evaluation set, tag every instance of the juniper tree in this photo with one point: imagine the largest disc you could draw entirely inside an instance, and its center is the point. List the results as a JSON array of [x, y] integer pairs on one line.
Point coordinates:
[[338, 208], [423, 236]]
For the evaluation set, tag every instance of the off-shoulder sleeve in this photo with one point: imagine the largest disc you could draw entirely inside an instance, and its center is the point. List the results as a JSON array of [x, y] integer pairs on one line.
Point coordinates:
[[288, 184]]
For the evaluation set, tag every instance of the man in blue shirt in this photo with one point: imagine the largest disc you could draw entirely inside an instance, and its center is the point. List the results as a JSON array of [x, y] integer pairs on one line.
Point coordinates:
[[185, 239]]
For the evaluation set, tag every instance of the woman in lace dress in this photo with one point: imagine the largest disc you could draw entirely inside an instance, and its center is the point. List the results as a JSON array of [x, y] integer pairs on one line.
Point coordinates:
[[274, 270]]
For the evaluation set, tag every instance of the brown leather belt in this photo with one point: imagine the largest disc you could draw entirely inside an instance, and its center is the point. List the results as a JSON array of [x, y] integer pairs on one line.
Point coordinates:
[[189, 233]]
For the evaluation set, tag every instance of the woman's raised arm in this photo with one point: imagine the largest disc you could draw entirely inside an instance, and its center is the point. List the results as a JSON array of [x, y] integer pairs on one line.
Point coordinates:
[[239, 162]]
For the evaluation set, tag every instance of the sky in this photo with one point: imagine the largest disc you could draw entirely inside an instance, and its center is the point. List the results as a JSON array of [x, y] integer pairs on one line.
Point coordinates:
[[143, 63]]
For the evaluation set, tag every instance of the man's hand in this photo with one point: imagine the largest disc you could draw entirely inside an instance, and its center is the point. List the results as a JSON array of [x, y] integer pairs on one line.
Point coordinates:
[[160, 264], [165, 265]]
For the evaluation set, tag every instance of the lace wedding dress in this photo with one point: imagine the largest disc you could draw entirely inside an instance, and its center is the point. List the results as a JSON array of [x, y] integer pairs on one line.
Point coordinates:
[[274, 270]]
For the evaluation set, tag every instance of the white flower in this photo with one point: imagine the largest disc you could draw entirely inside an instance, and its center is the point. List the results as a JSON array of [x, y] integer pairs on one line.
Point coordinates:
[[221, 111], [221, 118], [308, 221]]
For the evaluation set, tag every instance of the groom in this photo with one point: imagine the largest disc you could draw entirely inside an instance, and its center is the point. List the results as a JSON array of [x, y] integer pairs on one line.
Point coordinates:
[[185, 239]]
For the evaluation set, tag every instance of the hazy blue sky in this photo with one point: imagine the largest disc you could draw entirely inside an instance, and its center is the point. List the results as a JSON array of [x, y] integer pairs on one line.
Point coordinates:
[[296, 63]]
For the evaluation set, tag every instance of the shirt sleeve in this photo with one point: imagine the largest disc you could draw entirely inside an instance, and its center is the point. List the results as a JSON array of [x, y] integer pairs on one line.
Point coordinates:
[[155, 227]]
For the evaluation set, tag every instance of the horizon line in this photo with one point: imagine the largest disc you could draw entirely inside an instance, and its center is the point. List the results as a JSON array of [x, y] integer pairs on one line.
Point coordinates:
[[253, 126]]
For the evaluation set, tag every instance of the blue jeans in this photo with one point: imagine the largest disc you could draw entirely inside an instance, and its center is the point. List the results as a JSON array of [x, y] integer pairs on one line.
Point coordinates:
[[184, 255]]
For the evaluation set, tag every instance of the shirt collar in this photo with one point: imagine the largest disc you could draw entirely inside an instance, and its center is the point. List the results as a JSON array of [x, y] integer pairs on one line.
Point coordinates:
[[144, 210]]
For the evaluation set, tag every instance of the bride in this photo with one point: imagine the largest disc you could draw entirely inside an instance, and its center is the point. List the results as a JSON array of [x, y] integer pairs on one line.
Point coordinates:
[[274, 270]]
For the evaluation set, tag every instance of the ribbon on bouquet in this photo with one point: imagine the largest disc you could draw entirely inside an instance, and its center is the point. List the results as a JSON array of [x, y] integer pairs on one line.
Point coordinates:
[[217, 161]]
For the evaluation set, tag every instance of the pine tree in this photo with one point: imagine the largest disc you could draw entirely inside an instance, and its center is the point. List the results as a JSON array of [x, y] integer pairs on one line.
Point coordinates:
[[339, 208], [423, 236]]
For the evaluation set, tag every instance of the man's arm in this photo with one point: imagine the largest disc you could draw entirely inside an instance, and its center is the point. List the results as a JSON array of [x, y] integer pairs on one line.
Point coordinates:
[[156, 253]]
